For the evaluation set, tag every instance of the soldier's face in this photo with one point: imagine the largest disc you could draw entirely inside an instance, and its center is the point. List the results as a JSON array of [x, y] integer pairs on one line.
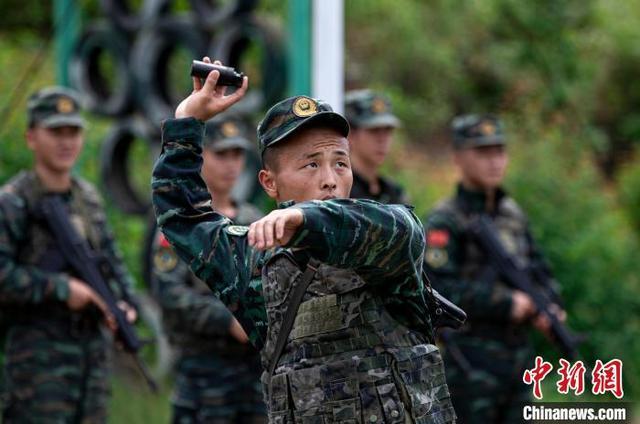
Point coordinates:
[[371, 145], [220, 170], [56, 149], [482, 167], [313, 164]]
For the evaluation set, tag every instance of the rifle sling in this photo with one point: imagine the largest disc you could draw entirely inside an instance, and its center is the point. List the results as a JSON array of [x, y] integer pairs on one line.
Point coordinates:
[[290, 315]]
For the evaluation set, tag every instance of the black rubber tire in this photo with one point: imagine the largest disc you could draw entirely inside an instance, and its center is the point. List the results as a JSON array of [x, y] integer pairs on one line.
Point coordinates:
[[121, 14], [210, 13], [232, 43], [85, 76], [149, 57], [114, 158]]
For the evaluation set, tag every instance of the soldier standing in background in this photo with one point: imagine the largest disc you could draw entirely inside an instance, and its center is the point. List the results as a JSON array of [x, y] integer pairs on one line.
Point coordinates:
[[485, 361], [217, 370], [56, 352], [372, 125]]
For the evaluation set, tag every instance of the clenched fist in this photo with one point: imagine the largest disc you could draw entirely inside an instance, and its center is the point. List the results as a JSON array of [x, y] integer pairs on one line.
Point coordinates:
[[275, 229]]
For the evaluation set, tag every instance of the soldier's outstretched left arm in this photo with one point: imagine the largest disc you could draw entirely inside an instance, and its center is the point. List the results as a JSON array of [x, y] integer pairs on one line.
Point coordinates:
[[382, 243]]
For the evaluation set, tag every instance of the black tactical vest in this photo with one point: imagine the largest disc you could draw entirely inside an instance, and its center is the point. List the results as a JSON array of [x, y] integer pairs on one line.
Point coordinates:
[[347, 359]]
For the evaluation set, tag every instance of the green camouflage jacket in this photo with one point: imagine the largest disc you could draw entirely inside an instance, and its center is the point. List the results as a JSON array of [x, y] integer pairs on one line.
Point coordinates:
[[457, 262], [26, 242], [384, 244]]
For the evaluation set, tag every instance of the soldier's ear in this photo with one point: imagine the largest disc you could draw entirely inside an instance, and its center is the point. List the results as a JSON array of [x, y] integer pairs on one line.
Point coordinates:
[[30, 137], [268, 182]]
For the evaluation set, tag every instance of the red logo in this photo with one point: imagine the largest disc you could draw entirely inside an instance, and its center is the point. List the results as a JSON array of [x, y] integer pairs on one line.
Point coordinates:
[[604, 377], [536, 375], [572, 377], [607, 378]]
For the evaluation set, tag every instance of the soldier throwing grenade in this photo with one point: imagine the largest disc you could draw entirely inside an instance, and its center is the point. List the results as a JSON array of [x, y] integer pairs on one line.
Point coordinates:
[[328, 288]]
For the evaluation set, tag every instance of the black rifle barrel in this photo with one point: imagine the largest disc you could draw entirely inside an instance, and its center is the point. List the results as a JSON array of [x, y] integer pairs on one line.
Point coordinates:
[[81, 258], [484, 233]]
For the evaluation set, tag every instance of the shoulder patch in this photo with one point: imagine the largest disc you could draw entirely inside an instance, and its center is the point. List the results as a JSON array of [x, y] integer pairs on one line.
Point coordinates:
[[165, 259], [237, 230], [436, 257], [437, 238]]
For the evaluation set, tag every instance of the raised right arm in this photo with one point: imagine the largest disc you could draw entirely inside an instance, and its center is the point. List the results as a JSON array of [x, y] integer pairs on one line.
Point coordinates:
[[202, 237]]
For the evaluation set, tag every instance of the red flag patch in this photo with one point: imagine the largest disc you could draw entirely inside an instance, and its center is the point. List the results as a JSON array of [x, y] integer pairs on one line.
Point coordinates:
[[162, 241], [437, 238]]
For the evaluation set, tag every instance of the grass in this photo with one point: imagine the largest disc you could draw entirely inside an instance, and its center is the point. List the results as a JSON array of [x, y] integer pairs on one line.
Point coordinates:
[[133, 403]]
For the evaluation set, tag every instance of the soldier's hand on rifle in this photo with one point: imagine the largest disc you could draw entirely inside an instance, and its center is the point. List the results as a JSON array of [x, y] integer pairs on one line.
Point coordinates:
[[275, 229], [128, 310], [208, 100], [82, 296], [542, 322], [237, 332], [522, 306]]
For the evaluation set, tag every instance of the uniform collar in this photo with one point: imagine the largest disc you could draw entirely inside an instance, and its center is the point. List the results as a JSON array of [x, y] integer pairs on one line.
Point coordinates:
[[476, 201], [384, 184]]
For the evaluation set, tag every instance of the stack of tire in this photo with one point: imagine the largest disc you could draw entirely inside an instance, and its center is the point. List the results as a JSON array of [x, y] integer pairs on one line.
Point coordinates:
[[122, 66]]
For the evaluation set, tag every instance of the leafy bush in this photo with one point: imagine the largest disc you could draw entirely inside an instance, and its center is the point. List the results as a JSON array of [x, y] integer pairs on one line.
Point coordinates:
[[590, 242]]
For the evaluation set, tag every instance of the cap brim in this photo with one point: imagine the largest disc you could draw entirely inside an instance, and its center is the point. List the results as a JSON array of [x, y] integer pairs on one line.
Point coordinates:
[[230, 143], [481, 142], [379, 121], [58, 121], [327, 119]]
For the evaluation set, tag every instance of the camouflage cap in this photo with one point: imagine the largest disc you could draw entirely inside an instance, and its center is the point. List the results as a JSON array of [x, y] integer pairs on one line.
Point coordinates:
[[53, 107], [295, 113], [225, 133], [367, 109], [476, 130]]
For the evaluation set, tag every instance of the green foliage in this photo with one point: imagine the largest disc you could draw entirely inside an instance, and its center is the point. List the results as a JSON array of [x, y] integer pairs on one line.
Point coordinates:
[[629, 192], [591, 244]]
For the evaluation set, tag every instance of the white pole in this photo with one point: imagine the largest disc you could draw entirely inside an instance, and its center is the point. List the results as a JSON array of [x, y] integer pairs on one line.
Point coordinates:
[[328, 52]]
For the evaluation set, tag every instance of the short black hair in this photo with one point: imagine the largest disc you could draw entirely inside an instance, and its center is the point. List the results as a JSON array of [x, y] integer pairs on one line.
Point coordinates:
[[270, 157]]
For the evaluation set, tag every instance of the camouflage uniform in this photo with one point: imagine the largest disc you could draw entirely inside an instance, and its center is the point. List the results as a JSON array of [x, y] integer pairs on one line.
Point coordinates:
[[360, 349], [217, 377], [56, 360], [486, 359], [366, 109]]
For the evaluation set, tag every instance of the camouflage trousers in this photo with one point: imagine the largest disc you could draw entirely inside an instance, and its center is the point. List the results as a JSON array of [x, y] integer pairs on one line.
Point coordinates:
[[218, 391], [486, 386], [56, 375]]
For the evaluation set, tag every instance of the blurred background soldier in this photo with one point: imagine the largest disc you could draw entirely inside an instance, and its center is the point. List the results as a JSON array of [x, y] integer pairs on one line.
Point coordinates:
[[57, 353], [372, 125], [217, 370], [486, 360]]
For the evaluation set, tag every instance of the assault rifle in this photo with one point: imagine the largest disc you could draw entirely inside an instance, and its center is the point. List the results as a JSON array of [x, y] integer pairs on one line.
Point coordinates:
[[84, 262], [514, 275]]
